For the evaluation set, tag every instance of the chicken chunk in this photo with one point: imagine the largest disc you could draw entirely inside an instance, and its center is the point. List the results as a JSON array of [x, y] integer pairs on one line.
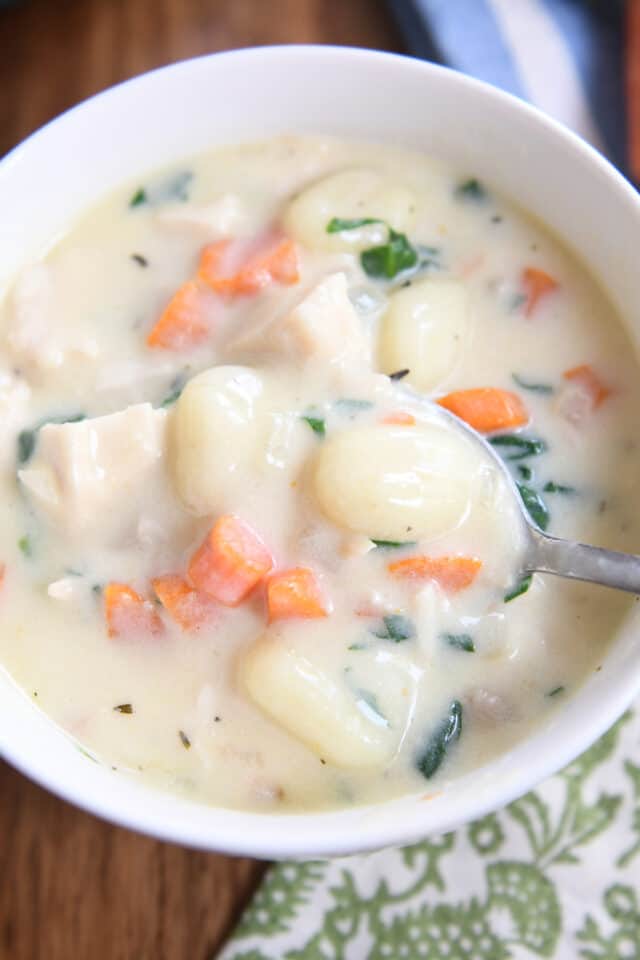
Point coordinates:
[[96, 475], [323, 325]]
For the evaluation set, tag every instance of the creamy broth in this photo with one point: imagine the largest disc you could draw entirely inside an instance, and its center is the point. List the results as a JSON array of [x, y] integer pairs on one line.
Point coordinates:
[[245, 558]]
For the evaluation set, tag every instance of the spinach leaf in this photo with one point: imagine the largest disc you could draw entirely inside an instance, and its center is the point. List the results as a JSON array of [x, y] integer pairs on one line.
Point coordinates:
[[351, 406], [525, 472], [177, 386], [518, 447], [552, 487], [535, 505], [25, 545], [393, 544], [471, 190], [337, 224], [533, 387], [139, 197], [27, 439], [389, 259], [317, 424], [459, 641], [442, 738], [395, 627], [519, 588], [367, 704]]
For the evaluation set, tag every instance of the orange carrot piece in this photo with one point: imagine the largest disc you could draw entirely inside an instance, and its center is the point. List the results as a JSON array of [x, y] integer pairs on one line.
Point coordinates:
[[536, 284], [128, 613], [487, 408], [277, 262], [400, 417], [451, 573], [183, 323], [230, 562], [190, 608], [586, 376], [295, 593]]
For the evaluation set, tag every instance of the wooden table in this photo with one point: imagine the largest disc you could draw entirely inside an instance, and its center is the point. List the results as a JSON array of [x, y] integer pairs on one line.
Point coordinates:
[[73, 887]]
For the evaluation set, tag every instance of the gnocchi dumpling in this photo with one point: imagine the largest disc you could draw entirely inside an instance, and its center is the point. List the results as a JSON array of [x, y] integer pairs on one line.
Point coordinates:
[[349, 194], [216, 430], [396, 483], [425, 329], [312, 706]]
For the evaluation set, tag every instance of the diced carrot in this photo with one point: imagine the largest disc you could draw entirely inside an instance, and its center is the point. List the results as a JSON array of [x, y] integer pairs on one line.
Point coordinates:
[[295, 593], [451, 573], [536, 284], [190, 608], [399, 417], [128, 613], [593, 386], [230, 562], [275, 261], [184, 322], [487, 408]]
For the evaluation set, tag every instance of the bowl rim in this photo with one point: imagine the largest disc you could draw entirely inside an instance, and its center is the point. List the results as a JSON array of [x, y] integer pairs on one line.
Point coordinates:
[[325, 833]]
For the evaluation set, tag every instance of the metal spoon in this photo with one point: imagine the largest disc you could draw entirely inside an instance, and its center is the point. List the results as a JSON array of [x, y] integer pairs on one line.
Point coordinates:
[[564, 558]]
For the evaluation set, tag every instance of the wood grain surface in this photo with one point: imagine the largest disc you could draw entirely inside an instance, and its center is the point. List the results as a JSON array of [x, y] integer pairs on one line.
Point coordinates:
[[71, 886]]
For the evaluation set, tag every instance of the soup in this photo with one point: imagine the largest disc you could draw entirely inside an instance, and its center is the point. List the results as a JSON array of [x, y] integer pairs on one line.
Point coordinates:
[[246, 556]]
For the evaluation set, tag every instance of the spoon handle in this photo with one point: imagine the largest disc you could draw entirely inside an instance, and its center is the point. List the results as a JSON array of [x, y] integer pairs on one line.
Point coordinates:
[[579, 561]]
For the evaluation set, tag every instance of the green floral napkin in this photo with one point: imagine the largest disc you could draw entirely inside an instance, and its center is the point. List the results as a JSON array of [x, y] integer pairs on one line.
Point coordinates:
[[555, 874]]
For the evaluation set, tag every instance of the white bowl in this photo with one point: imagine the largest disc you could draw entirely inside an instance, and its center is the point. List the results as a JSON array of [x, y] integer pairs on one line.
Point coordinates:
[[160, 117]]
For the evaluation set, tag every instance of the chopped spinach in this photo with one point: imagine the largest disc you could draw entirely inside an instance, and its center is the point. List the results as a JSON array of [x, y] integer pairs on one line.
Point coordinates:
[[337, 224], [533, 387], [441, 739], [395, 627], [519, 588], [351, 406], [471, 190], [172, 189], [25, 546], [124, 708], [184, 739], [400, 374], [393, 544], [176, 388], [552, 487], [535, 505], [459, 641], [140, 260], [555, 691], [389, 259], [525, 472], [317, 424], [367, 704], [139, 197], [27, 439], [517, 447]]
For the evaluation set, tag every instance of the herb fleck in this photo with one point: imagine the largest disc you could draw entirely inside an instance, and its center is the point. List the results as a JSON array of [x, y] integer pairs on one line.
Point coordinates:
[[140, 260], [525, 472], [555, 691], [25, 545], [400, 374], [217, 719], [337, 224], [393, 544], [552, 487], [124, 708], [357, 646], [459, 641], [184, 739], [521, 587], [139, 197], [395, 627], [442, 738], [175, 390]]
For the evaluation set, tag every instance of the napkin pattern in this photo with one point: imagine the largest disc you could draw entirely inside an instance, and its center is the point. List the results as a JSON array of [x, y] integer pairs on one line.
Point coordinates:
[[555, 874]]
